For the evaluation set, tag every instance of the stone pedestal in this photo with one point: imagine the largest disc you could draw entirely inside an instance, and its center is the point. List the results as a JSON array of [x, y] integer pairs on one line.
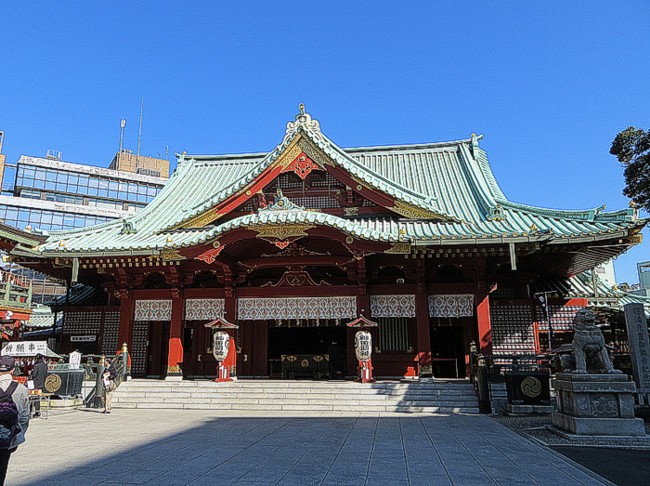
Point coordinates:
[[514, 409], [596, 404]]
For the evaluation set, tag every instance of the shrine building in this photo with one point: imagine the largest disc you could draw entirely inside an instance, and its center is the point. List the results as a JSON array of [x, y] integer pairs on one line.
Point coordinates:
[[292, 244]]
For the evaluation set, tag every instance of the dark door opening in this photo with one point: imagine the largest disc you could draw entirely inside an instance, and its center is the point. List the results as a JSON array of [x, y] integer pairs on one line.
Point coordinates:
[[447, 352], [305, 341], [157, 349], [197, 351]]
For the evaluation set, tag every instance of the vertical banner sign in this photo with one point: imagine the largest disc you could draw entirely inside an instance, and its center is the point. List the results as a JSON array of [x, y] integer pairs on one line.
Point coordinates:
[[75, 360], [543, 302], [637, 335]]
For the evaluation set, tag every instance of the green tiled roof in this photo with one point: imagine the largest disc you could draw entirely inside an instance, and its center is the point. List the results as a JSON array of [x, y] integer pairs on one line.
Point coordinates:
[[582, 286], [452, 179]]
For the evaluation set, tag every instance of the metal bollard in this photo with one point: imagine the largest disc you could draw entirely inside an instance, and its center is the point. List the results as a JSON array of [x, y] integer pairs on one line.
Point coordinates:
[[99, 385], [483, 386]]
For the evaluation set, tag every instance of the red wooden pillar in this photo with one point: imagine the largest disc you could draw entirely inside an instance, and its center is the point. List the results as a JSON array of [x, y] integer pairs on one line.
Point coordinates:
[[423, 334], [425, 369], [175, 353], [363, 309], [230, 314], [127, 304], [483, 319]]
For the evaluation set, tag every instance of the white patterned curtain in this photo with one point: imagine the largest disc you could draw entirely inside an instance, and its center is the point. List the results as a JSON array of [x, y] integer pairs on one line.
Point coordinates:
[[204, 309], [253, 309], [153, 310], [392, 305], [451, 305]]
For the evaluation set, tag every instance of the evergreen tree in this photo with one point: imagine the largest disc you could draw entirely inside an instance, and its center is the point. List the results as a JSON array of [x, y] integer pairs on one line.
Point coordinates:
[[632, 148]]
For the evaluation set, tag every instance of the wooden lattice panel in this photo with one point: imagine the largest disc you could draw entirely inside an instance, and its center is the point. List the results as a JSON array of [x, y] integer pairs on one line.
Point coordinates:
[[110, 332], [561, 317], [316, 202], [139, 348], [512, 329], [289, 181], [84, 322], [327, 181]]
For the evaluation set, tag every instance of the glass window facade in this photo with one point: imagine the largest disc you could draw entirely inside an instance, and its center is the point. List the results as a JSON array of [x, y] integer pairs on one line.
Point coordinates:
[[45, 219], [135, 193]]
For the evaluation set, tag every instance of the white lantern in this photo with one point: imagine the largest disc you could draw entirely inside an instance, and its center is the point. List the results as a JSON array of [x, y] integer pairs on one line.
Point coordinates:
[[363, 345], [220, 345]]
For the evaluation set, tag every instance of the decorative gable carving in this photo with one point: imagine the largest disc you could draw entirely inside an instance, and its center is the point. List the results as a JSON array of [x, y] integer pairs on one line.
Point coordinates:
[[295, 278]]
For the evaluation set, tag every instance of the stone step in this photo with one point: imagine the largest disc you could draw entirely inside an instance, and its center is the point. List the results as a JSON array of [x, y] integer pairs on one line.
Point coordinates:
[[293, 396], [302, 408], [128, 398], [302, 384]]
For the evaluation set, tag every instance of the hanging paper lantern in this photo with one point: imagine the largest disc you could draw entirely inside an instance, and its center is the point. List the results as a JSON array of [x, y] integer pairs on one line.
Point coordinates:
[[363, 345], [220, 345]]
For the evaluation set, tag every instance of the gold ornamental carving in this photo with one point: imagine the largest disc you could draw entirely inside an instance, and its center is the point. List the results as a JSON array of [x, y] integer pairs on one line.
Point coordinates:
[[315, 154], [280, 232], [174, 370], [414, 212], [52, 383], [201, 220], [170, 255], [289, 155], [636, 239], [401, 248]]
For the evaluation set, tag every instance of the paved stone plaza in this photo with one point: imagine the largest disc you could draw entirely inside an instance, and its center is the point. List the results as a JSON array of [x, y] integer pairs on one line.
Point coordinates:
[[188, 447]]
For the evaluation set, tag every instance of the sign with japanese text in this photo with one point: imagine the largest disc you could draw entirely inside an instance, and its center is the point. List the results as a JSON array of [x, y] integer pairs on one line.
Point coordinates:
[[25, 348]]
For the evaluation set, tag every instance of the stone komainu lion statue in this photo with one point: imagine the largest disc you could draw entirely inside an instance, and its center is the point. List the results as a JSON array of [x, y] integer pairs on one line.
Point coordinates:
[[589, 350]]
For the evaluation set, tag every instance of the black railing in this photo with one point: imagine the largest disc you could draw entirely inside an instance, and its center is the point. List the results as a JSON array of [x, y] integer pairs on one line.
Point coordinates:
[[492, 368], [95, 370]]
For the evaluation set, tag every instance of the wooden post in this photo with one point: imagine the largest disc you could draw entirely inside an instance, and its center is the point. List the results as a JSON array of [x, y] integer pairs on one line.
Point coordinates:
[[423, 335], [175, 353], [483, 318], [127, 306]]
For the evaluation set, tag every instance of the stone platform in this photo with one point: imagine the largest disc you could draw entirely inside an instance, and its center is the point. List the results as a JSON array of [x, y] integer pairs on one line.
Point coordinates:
[[596, 404]]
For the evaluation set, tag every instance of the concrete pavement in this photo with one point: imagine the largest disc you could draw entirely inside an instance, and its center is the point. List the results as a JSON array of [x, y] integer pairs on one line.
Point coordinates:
[[191, 447]]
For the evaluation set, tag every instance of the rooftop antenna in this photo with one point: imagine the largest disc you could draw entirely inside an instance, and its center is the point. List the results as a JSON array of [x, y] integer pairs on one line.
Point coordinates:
[[140, 130], [122, 125]]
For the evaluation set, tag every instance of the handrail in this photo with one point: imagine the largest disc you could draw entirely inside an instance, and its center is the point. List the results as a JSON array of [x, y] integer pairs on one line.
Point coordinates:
[[95, 399], [491, 368]]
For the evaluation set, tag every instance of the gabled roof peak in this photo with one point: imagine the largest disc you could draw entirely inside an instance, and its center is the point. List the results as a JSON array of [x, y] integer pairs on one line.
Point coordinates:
[[302, 122]]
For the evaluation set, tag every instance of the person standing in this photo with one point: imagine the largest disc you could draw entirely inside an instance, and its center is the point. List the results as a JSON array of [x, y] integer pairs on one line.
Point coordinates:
[[14, 414], [39, 372], [108, 379]]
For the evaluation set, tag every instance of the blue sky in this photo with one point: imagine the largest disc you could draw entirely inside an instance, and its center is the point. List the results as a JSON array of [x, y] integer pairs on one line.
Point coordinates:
[[548, 83]]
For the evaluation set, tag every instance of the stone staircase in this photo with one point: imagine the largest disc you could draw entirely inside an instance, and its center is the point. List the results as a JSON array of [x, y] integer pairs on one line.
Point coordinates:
[[304, 396]]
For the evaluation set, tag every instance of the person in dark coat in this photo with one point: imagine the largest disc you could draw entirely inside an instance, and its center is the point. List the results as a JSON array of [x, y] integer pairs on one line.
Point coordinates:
[[21, 399], [39, 372], [108, 380]]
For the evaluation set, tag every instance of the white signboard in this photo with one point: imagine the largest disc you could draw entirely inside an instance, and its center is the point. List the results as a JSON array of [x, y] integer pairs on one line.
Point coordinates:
[[75, 360], [25, 348], [83, 339]]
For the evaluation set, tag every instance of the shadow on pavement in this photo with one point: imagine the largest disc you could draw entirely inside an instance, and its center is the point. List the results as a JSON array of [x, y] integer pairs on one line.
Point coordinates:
[[625, 467], [328, 450]]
